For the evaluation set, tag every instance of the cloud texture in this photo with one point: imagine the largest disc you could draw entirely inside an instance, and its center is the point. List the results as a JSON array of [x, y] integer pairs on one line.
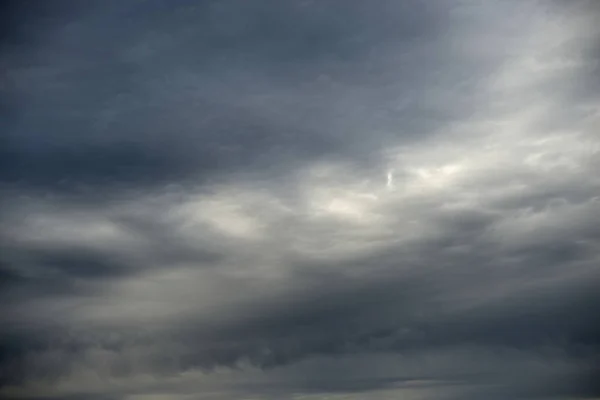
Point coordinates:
[[300, 200]]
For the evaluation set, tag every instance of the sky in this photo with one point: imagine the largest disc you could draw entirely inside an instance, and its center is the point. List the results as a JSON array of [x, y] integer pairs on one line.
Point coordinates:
[[300, 199]]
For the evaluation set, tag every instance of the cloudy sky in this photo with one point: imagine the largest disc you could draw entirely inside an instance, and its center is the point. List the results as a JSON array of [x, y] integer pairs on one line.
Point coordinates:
[[300, 199]]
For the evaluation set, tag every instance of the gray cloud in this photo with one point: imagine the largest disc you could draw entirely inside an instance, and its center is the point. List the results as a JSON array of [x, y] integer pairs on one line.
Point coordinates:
[[299, 200], [100, 110]]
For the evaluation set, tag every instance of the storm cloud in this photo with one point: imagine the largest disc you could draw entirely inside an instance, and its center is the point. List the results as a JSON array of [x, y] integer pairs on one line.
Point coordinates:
[[300, 199]]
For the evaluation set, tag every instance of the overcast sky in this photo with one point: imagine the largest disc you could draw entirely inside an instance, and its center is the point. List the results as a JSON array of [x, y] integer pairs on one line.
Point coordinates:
[[300, 199]]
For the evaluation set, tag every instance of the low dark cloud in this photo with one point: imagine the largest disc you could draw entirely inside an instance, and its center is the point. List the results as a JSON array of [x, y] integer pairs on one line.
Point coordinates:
[[303, 199]]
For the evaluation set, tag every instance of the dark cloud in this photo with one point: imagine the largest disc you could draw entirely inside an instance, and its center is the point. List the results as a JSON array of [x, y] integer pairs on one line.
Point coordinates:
[[271, 199], [197, 90]]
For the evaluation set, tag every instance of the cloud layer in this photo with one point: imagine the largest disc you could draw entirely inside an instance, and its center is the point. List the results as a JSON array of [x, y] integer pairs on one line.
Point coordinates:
[[302, 199]]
